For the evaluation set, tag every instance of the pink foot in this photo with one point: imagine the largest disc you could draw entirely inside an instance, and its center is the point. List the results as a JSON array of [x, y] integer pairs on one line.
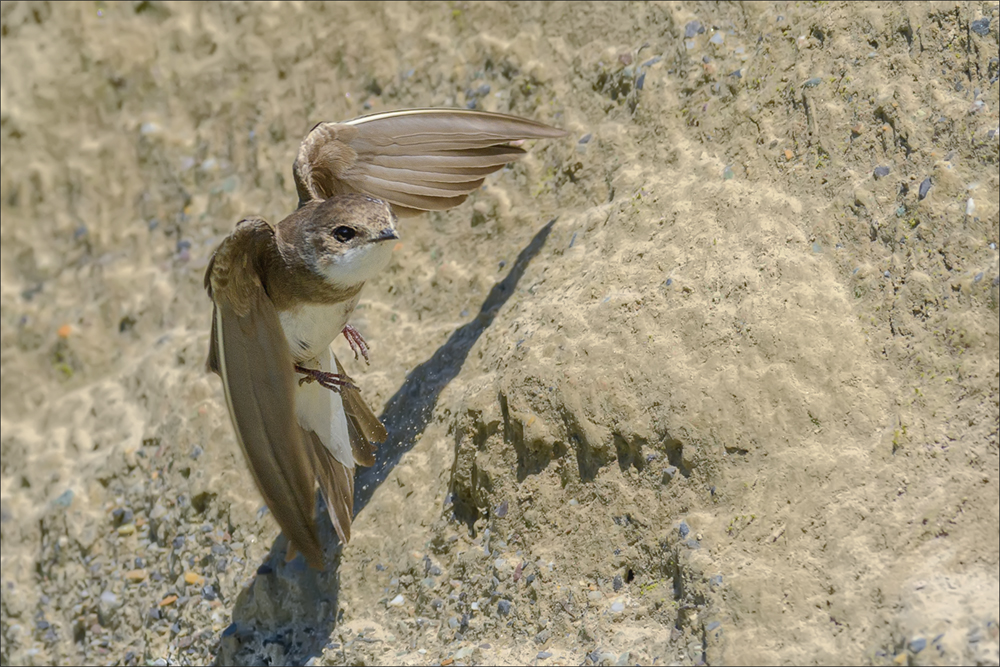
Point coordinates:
[[356, 341], [332, 381]]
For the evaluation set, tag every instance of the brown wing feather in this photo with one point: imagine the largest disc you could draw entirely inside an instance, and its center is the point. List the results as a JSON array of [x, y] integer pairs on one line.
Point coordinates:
[[254, 361], [364, 427], [427, 159], [337, 483]]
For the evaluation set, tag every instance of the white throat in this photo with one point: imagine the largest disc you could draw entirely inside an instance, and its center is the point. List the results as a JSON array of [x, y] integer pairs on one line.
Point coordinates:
[[358, 265]]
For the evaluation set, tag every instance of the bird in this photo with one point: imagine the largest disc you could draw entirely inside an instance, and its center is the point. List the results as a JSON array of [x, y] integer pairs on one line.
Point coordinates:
[[283, 293]]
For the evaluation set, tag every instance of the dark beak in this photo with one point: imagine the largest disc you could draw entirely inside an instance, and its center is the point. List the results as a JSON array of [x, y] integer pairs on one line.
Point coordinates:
[[387, 234]]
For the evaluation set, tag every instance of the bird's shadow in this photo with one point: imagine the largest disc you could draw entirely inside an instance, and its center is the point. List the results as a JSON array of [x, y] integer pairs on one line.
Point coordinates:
[[288, 612]]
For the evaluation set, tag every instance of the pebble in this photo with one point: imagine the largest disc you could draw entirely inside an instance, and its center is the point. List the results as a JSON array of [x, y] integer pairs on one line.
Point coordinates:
[[65, 498], [970, 207], [693, 28], [397, 601], [136, 575], [504, 607], [713, 626], [813, 82], [618, 607], [683, 529], [501, 510], [881, 172], [918, 644], [670, 471], [925, 187], [193, 579], [543, 655], [169, 600], [981, 26], [617, 583], [718, 38]]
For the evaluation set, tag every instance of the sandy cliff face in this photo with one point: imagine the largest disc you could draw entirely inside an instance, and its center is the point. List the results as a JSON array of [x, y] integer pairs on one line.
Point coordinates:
[[714, 379]]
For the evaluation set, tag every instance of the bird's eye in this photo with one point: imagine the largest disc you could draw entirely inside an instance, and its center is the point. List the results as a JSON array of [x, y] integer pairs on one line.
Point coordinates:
[[344, 234]]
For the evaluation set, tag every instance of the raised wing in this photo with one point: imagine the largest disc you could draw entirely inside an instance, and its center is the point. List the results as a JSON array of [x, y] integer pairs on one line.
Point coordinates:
[[416, 159], [250, 353]]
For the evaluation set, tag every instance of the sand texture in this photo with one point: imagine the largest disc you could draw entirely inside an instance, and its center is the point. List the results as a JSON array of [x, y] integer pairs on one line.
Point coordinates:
[[712, 380]]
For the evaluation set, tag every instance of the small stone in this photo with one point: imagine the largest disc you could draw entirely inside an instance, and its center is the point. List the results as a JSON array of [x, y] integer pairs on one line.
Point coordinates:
[[66, 497], [970, 207], [918, 644], [126, 529], [881, 172], [594, 596], [713, 626], [136, 575], [683, 529], [813, 82], [670, 471], [543, 655], [109, 598], [194, 579], [981, 26], [617, 583], [169, 600], [397, 601], [693, 28], [454, 623], [925, 187], [504, 607], [624, 659], [501, 510], [718, 38], [618, 607]]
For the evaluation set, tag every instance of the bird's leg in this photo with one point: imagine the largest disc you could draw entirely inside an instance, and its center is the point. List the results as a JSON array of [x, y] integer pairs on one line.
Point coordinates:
[[332, 381], [356, 341]]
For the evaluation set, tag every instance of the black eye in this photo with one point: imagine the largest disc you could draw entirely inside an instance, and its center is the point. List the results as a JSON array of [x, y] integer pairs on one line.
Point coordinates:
[[344, 234]]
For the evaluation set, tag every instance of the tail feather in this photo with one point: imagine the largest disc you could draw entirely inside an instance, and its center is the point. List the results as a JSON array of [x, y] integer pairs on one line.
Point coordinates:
[[336, 481]]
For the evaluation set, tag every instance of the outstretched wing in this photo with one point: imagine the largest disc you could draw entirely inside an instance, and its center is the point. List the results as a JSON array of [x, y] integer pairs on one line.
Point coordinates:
[[249, 351], [416, 159]]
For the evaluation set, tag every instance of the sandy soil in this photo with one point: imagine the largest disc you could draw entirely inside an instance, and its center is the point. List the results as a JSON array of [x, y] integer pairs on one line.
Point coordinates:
[[713, 380]]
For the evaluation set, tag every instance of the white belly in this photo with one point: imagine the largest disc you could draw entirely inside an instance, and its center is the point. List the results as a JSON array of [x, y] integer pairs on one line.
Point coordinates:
[[310, 328]]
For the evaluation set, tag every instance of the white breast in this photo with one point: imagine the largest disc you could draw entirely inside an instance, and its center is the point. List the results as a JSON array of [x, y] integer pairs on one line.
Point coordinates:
[[310, 328]]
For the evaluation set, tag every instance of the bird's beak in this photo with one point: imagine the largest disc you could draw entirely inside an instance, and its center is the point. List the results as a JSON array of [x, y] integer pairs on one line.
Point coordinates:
[[387, 234]]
